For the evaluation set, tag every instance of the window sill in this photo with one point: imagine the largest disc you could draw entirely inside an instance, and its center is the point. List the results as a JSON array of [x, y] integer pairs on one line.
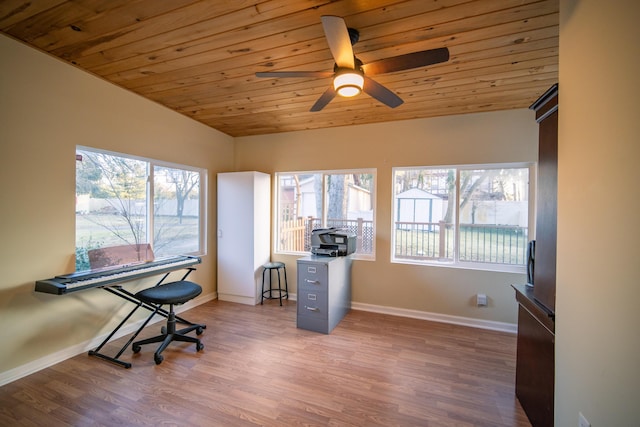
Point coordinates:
[[497, 268]]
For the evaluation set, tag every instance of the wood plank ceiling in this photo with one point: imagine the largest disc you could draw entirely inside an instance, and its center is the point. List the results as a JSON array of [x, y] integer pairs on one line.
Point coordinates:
[[199, 58]]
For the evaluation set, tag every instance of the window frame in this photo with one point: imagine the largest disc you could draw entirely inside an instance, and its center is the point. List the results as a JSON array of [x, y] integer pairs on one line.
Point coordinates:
[[325, 173], [457, 263], [151, 164]]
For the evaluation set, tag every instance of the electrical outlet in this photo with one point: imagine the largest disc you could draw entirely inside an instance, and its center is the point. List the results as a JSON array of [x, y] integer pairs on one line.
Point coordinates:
[[582, 421], [481, 300]]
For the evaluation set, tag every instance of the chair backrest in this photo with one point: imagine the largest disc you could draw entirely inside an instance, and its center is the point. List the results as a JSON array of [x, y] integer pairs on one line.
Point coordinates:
[[119, 255]]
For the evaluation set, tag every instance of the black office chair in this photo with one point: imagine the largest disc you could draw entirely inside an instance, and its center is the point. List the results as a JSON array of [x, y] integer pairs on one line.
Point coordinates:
[[173, 293]]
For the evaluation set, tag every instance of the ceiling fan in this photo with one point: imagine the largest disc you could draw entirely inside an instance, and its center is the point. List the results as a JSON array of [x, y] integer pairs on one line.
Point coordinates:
[[350, 75]]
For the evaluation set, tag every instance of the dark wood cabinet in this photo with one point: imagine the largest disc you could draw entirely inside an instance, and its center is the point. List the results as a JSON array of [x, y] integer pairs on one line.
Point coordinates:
[[535, 364], [544, 278], [535, 370]]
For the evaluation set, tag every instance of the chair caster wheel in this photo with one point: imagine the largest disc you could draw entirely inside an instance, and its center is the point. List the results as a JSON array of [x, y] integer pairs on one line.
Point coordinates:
[[199, 331], [158, 358], [199, 346], [135, 348]]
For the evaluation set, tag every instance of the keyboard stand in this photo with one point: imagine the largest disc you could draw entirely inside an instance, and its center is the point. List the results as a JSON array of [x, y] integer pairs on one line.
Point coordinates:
[[123, 293]]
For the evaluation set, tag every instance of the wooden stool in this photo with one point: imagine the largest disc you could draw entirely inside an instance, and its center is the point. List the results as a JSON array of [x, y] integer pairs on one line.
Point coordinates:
[[270, 266]]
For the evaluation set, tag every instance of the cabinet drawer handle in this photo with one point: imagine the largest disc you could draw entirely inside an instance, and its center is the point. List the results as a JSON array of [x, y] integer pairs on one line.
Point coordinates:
[[315, 282], [311, 308]]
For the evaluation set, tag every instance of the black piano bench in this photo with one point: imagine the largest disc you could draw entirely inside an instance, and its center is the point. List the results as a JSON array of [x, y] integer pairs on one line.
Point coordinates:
[[173, 293]]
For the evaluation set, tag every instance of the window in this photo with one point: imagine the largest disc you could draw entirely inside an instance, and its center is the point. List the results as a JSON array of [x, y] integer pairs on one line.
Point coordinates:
[[472, 216], [123, 200], [309, 200]]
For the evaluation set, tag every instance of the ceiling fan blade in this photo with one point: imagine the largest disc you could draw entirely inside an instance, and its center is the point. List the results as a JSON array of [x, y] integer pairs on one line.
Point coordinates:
[[324, 99], [281, 74], [337, 35], [381, 93], [407, 62]]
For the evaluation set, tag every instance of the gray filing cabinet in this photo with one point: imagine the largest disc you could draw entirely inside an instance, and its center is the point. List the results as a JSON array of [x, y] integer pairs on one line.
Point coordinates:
[[324, 292]]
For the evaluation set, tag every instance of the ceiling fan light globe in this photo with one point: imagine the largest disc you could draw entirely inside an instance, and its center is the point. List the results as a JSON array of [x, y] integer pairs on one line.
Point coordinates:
[[349, 91], [348, 84]]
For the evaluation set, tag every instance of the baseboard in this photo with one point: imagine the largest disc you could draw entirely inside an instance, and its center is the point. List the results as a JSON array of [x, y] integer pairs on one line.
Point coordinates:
[[436, 317], [237, 299], [51, 359]]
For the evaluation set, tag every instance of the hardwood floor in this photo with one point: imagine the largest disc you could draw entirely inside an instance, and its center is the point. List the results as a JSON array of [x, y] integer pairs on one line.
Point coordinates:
[[257, 368]]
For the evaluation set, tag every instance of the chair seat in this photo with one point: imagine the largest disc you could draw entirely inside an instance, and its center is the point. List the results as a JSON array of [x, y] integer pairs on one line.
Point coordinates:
[[177, 292], [273, 265]]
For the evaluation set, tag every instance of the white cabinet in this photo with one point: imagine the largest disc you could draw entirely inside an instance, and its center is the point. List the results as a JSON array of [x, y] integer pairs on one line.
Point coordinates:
[[244, 221]]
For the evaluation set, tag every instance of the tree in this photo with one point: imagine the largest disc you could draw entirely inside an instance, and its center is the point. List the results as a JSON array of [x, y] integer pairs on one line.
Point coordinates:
[[122, 183], [318, 189], [297, 197], [337, 204], [184, 183], [88, 177]]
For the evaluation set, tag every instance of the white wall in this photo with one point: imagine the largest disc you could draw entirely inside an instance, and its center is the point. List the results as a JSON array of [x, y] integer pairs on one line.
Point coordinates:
[[598, 272], [47, 108], [494, 137]]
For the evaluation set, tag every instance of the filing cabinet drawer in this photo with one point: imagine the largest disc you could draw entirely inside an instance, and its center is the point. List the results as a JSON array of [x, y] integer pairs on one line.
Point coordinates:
[[312, 276], [313, 314], [314, 324], [312, 303]]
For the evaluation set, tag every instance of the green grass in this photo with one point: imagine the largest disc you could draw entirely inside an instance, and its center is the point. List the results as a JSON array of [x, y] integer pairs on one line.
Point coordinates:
[[103, 230], [476, 245]]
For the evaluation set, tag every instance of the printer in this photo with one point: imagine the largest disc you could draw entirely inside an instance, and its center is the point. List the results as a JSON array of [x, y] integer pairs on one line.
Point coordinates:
[[332, 242]]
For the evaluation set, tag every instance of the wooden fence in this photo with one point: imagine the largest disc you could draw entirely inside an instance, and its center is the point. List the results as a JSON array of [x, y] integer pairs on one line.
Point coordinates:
[[295, 235], [497, 244]]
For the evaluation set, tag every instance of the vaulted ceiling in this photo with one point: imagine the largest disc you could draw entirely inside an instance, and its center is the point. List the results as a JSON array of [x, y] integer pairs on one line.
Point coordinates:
[[199, 58]]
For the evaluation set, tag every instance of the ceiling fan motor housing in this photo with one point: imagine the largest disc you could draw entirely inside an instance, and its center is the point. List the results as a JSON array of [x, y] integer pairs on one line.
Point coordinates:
[[354, 35], [357, 66]]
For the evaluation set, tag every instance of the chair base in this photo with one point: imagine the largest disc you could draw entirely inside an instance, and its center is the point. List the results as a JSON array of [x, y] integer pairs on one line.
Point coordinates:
[[169, 334]]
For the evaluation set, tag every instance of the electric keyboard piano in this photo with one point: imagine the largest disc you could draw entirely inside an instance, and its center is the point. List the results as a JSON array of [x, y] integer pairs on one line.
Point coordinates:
[[110, 276], [109, 279]]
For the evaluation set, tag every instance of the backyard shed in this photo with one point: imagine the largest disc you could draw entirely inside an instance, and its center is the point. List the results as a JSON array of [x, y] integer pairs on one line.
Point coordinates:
[[416, 205]]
